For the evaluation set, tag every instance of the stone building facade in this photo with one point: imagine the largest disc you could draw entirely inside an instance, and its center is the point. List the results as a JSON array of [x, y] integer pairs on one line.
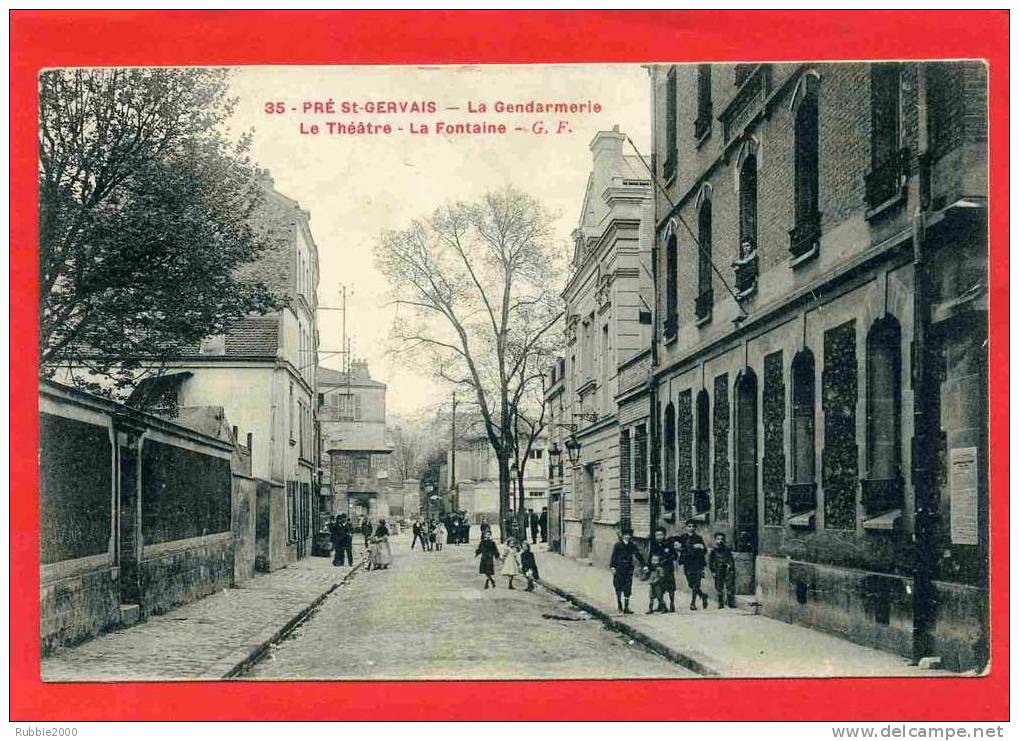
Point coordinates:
[[608, 302], [352, 414], [802, 204], [477, 479]]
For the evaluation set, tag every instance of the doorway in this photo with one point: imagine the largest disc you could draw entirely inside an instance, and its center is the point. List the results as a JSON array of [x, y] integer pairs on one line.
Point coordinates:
[[588, 491], [746, 480]]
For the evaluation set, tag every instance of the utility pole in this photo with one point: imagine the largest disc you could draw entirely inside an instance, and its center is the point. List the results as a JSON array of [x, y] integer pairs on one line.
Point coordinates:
[[452, 458]]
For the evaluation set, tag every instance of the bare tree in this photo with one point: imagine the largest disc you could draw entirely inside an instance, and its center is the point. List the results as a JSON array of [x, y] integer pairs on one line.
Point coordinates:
[[477, 285]]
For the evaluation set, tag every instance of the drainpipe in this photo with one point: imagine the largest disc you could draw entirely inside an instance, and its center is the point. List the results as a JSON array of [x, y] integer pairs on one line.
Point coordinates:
[[654, 435], [926, 398]]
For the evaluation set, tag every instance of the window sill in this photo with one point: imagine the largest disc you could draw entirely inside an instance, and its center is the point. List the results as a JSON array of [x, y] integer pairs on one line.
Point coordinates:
[[803, 521], [887, 522], [806, 257], [702, 320], [898, 199], [670, 339], [702, 517], [703, 137]]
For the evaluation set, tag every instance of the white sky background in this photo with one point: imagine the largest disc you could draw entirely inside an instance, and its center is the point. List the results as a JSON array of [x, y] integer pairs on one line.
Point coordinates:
[[357, 186]]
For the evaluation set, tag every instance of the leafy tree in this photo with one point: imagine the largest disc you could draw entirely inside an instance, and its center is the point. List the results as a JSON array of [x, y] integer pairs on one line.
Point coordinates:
[[144, 207], [477, 283]]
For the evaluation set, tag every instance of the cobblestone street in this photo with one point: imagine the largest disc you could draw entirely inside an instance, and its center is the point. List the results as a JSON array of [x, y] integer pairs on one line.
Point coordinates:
[[427, 616]]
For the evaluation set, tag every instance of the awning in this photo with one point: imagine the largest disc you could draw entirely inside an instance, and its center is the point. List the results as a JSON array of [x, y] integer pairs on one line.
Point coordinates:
[[887, 521]]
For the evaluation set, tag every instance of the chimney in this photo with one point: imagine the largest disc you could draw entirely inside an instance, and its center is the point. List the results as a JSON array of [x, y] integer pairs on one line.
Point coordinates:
[[249, 442], [235, 434], [607, 145]]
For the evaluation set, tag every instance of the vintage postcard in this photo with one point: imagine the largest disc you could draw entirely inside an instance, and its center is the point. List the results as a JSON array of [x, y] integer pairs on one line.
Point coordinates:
[[671, 368]]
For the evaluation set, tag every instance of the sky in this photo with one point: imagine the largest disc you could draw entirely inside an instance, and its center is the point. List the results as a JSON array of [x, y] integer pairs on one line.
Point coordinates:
[[356, 186]]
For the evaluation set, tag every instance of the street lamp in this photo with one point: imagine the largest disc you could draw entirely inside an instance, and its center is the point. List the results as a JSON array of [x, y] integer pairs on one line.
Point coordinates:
[[573, 449], [555, 454]]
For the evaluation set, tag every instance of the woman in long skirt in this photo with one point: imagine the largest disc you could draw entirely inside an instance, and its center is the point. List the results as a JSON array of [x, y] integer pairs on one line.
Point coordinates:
[[383, 554], [488, 551]]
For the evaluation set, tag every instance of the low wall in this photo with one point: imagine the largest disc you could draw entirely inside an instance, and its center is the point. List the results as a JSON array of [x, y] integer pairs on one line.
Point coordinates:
[[182, 571], [873, 609], [79, 606]]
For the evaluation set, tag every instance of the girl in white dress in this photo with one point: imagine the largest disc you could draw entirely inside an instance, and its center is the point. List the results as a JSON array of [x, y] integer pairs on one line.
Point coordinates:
[[510, 561]]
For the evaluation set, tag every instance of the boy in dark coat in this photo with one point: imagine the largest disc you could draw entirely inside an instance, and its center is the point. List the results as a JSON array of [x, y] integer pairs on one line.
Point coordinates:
[[655, 582], [543, 524], [342, 534], [417, 536], [488, 551], [624, 553], [667, 557], [723, 568], [693, 555]]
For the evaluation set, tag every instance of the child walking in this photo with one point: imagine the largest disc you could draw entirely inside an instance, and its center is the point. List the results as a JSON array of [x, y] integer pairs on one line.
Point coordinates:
[[440, 536], [657, 576], [528, 566], [488, 551], [723, 568], [510, 561], [622, 563]]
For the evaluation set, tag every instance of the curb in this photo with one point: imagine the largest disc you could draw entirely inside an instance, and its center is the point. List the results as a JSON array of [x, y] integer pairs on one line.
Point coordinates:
[[689, 659], [242, 660]]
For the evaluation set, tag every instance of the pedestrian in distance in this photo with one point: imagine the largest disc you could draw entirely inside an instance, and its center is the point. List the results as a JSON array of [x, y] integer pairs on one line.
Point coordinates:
[[655, 578], [533, 521], [622, 563], [723, 567], [366, 530], [543, 524], [662, 548], [486, 529], [528, 566], [440, 536], [342, 534], [488, 551], [416, 529], [693, 555], [431, 535], [510, 561], [465, 528]]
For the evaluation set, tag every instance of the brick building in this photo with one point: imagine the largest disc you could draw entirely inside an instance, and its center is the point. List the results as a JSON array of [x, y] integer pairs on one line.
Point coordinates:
[[804, 205], [608, 302]]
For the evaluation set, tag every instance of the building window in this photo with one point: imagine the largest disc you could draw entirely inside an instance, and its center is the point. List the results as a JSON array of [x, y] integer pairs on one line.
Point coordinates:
[[882, 489], [804, 235], [671, 103], [705, 296], [745, 266], [748, 205], [945, 105], [640, 459], [624, 478], [669, 435], [889, 164], [701, 497], [290, 428], [606, 369], [671, 287], [702, 124]]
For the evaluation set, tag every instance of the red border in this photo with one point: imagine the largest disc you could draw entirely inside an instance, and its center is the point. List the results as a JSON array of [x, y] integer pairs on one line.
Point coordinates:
[[43, 39]]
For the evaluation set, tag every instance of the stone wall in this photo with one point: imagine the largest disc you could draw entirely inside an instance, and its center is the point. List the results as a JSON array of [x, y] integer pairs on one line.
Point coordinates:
[[179, 572], [78, 607]]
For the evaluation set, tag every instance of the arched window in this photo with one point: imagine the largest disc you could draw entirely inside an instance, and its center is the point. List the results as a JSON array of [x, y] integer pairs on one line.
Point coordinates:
[[884, 400], [702, 502], [671, 287], [803, 458], [807, 226], [705, 299], [669, 435], [748, 205]]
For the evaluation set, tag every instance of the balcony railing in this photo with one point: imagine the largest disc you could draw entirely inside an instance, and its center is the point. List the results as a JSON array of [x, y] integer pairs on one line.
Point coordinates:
[[671, 326], [888, 178], [801, 497], [703, 304], [745, 269], [882, 495], [804, 236]]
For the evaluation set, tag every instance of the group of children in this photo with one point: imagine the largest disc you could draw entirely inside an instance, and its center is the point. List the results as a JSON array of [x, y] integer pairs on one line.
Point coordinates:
[[517, 560], [431, 533], [664, 555]]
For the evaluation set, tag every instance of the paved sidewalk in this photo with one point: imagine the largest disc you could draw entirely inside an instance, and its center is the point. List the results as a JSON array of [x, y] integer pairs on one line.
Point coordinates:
[[206, 639], [727, 642]]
